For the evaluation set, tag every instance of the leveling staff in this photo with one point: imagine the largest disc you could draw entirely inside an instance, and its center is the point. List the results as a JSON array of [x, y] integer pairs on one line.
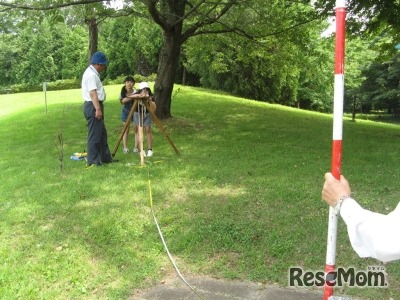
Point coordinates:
[[94, 95]]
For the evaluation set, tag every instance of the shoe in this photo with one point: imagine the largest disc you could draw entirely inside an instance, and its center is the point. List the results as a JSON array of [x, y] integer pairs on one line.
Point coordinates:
[[111, 161], [149, 153], [94, 165], [135, 150], [126, 150]]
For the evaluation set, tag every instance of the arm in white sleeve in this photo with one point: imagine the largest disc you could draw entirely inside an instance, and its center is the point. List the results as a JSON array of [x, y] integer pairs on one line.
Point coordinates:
[[372, 234]]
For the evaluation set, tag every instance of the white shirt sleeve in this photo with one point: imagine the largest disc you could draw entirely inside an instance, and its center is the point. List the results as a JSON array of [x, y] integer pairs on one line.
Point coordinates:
[[372, 234]]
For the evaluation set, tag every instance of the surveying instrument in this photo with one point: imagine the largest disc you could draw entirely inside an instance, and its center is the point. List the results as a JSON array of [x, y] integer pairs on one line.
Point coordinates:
[[140, 103]]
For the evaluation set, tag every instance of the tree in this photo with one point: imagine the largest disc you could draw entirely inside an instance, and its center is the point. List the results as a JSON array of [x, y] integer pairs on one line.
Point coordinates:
[[379, 18], [359, 57], [43, 53], [119, 42], [133, 44], [288, 65], [7, 58], [146, 45], [74, 59], [181, 20], [380, 90], [170, 16], [93, 13], [315, 89], [366, 14]]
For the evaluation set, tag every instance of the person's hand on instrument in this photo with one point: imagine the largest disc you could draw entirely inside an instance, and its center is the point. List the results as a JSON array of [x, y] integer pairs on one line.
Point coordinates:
[[144, 93], [334, 189]]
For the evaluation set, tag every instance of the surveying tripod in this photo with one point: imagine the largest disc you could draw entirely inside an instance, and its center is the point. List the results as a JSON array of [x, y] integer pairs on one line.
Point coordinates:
[[145, 102]]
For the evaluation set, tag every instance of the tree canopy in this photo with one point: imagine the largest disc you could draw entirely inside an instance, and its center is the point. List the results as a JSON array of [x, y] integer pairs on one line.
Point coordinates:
[[272, 51]]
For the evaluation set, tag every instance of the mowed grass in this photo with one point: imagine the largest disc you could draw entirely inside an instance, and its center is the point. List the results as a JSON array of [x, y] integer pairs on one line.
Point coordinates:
[[241, 201]]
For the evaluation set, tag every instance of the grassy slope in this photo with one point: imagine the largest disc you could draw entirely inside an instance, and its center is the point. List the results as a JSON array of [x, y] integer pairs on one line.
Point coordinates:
[[241, 201]]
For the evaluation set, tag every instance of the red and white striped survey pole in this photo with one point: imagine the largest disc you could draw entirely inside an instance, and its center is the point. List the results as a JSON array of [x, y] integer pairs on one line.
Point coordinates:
[[337, 141]]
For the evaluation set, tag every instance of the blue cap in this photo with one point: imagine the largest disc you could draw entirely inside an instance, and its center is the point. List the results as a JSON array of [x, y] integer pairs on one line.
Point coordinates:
[[99, 58]]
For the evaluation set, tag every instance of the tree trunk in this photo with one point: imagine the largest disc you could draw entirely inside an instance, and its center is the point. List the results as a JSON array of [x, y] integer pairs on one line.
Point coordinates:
[[167, 67], [354, 109], [183, 75], [93, 36]]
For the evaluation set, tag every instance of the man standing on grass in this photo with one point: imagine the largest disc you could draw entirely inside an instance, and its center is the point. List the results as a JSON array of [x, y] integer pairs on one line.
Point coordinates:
[[94, 95]]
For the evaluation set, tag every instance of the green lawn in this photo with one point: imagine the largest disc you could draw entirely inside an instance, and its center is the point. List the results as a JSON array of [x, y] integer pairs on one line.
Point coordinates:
[[241, 201]]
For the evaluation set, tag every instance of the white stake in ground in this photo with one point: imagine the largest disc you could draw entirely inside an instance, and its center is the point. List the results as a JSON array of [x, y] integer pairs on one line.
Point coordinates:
[[337, 141]]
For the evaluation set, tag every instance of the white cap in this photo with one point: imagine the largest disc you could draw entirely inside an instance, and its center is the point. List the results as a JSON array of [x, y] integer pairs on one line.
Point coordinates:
[[143, 85]]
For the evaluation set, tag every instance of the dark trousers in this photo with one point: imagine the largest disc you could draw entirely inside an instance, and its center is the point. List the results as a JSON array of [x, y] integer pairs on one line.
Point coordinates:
[[97, 145]]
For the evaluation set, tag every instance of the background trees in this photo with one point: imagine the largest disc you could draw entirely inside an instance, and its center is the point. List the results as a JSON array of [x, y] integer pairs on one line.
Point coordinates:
[[372, 75], [270, 51]]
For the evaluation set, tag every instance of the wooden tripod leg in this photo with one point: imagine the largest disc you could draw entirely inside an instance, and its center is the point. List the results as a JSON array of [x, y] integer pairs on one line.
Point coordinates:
[[160, 126], [126, 126]]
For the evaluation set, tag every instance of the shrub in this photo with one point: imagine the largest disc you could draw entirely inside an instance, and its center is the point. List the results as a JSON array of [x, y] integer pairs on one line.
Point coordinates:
[[67, 84]]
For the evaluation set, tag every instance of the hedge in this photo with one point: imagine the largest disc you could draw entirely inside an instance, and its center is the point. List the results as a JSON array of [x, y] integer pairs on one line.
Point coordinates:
[[66, 84]]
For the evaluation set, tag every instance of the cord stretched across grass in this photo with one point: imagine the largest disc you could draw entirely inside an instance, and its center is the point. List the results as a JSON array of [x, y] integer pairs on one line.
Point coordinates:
[[165, 245]]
